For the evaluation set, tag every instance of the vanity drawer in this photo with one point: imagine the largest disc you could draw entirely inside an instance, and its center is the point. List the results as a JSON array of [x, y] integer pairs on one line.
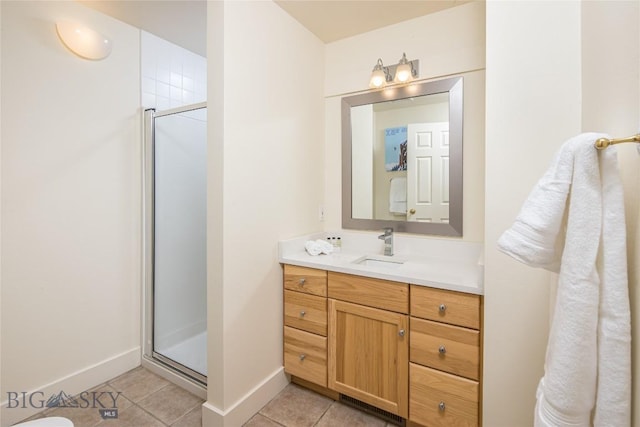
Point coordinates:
[[303, 279], [304, 311], [384, 294], [305, 355], [445, 347], [440, 399], [456, 308]]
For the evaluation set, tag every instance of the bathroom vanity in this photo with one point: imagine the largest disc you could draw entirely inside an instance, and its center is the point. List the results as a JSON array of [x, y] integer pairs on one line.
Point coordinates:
[[385, 337]]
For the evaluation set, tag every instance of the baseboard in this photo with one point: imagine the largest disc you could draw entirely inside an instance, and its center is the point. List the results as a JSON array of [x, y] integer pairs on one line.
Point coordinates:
[[242, 410], [73, 384]]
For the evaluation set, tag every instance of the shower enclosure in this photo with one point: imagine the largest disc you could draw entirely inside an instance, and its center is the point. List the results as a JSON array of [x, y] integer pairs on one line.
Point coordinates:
[[175, 240]]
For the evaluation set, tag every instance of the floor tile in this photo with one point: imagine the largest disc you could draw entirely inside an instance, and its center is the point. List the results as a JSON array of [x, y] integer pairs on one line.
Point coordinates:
[[192, 419], [33, 417], [133, 416], [170, 403], [343, 415], [85, 417], [261, 421], [147, 400], [296, 407], [138, 383], [105, 396]]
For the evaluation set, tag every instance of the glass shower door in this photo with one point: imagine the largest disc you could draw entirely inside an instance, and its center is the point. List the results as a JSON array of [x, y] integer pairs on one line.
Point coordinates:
[[179, 240]]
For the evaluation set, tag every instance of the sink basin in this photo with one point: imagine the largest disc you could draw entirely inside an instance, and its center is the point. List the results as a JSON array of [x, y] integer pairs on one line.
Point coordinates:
[[379, 261]]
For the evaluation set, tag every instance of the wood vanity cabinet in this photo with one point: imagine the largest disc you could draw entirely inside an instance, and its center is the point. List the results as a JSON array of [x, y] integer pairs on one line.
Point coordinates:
[[368, 340], [413, 351]]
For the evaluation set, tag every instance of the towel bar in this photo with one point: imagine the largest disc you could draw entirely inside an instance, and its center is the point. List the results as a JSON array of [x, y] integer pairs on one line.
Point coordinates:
[[602, 143]]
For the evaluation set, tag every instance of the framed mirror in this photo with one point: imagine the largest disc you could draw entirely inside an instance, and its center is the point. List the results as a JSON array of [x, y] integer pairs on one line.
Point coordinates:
[[402, 159]]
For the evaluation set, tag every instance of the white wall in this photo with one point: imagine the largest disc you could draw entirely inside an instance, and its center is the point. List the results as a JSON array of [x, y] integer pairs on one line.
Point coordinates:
[[447, 42], [266, 181], [70, 204], [533, 105], [362, 169]]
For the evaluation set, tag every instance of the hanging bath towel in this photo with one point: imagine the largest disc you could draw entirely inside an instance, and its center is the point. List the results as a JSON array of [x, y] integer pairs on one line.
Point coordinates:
[[588, 359]]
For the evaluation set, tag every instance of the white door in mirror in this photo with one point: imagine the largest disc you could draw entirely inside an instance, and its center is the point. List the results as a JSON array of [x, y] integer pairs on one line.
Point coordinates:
[[428, 172]]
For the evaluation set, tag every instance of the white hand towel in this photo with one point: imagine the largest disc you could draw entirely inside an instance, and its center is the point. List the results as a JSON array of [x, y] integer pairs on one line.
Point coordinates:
[[576, 351], [398, 195], [317, 247]]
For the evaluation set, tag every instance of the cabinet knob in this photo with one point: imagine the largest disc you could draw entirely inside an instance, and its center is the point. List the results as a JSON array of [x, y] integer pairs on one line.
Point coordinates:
[[401, 332], [301, 281], [412, 211], [302, 357], [302, 313], [442, 350], [441, 406], [442, 308]]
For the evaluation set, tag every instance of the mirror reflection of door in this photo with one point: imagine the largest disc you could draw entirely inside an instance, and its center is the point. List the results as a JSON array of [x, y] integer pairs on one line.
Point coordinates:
[[428, 172], [422, 194]]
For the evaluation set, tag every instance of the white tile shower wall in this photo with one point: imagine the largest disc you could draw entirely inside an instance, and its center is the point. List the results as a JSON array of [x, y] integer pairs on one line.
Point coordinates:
[[171, 75]]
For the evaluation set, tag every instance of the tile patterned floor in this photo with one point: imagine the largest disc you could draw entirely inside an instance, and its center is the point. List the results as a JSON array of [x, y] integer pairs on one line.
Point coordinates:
[[148, 400], [296, 406]]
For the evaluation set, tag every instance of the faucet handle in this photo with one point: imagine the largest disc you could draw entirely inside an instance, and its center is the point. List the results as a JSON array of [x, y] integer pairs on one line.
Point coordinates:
[[387, 232]]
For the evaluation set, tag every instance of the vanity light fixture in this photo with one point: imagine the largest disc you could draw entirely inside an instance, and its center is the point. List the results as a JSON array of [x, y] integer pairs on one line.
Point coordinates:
[[83, 41], [402, 72], [380, 75]]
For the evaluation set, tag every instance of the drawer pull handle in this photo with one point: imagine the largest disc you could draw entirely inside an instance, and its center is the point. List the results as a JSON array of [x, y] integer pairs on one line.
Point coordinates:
[[302, 313], [441, 406], [302, 357], [401, 332], [442, 350], [301, 281], [442, 308]]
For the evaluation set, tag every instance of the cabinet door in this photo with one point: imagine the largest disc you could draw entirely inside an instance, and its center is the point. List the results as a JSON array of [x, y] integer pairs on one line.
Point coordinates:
[[368, 355]]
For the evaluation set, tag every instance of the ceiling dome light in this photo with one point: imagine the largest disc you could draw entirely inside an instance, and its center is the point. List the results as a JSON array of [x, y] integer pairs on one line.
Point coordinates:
[[83, 41]]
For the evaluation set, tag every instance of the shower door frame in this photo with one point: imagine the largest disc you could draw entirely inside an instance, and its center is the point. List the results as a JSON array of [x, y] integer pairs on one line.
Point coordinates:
[[148, 182]]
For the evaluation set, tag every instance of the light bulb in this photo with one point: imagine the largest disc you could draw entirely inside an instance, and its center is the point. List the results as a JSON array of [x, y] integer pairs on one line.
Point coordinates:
[[403, 73], [378, 79]]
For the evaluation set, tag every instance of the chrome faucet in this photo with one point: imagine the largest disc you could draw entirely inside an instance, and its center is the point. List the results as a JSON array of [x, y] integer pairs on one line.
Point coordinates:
[[388, 241]]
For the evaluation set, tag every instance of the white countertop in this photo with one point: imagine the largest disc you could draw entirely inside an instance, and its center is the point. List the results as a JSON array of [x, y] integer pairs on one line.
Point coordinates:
[[444, 264]]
